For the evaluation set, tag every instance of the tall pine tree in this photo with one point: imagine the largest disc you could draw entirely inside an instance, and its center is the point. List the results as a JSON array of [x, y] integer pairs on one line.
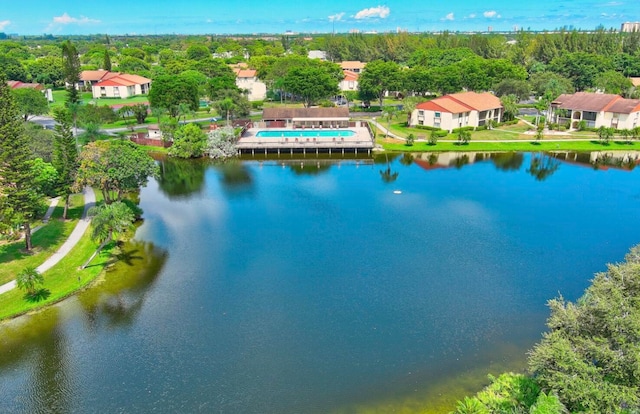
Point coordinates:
[[20, 199], [65, 155], [106, 65], [71, 71]]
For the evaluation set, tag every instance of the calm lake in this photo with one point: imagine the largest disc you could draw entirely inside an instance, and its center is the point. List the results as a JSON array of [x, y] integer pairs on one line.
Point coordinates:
[[318, 286]]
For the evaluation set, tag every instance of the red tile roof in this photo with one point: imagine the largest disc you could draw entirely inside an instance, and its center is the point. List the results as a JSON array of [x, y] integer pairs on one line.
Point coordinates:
[[246, 73], [584, 101], [457, 103], [478, 101], [124, 79], [21, 85], [350, 76]]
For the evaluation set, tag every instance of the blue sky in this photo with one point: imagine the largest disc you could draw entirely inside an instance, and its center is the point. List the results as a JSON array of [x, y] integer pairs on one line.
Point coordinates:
[[277, 16]]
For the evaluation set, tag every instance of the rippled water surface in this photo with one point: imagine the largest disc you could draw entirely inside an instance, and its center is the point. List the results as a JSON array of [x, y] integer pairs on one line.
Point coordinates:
[[315, 286]]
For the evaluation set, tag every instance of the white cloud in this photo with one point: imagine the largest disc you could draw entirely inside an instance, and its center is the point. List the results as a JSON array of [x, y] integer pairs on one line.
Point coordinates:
[[336, 17], [448, 17], [490, 14], [209, 21], [472, 16], [66, 19], [380, 11], [4, 24]]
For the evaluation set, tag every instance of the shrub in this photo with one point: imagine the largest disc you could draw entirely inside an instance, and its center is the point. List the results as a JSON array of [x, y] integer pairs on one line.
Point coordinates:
[[410, 139], [257, 105]]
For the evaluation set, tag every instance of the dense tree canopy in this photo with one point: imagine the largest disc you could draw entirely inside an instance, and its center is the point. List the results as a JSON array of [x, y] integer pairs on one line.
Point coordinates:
[[30, 102], [169, 92], [116, 167], [19, 198]]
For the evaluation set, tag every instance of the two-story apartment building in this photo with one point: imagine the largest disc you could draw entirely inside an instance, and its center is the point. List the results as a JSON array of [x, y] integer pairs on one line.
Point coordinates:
[[458, 110]]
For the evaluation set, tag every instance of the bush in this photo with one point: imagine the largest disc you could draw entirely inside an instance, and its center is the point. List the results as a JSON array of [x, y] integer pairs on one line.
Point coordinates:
[[257, 105], [410, 139], [466, 128]]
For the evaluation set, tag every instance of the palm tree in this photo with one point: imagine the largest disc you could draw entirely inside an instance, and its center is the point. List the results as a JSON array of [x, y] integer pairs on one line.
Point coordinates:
[[28, 279], [463, 136], [108, 222], [389, 113], [626, 134], [605, 134], [225, 106], [184, 110]]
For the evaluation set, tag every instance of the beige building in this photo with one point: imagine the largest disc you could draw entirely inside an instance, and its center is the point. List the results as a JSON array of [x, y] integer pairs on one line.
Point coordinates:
[[596, 110], [350, 81], [630, 27], [458, 110], [247, 80], [354, 66], [121, 86]]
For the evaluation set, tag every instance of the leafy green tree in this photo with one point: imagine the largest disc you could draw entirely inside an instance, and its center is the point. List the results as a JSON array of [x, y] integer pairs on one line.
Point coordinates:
[[130, 64], [45, 177], [140, 112], [612, 81], [12, 68], [40, 141], [510, 107], [17, 192], [519, 88], [30, 102], [48, 70], [198, 52], [378, 78], [189, 142], [590, 355], [71, 71], [65, 156], [28, 279], [108, 222], [311, 84], [116, 167], [168, 92]]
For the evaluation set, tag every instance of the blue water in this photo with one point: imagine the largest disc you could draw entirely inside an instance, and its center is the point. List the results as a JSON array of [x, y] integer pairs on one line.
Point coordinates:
[[312, 286], [306, 133]]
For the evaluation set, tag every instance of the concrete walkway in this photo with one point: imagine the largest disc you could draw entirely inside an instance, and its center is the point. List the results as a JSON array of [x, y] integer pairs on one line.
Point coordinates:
[[74, 238]]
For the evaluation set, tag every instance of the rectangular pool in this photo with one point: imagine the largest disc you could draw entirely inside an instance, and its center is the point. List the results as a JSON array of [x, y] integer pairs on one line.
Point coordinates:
[[306, 133]]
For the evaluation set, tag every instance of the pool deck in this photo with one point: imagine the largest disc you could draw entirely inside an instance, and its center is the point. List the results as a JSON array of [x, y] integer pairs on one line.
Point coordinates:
[[249, 143]]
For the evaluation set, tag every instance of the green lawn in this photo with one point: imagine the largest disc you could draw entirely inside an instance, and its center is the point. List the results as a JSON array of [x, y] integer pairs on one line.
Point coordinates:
[[46, 241], [61, 281]]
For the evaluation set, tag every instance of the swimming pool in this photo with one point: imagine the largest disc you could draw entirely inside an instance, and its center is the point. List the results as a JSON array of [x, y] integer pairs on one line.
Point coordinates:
[[306, 133]]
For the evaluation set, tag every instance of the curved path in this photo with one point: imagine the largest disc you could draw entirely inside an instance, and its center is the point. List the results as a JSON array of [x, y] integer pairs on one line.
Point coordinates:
[[74, 238]]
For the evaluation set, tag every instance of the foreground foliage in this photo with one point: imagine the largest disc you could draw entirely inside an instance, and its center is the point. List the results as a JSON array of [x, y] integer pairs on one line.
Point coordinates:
[[589, 361]]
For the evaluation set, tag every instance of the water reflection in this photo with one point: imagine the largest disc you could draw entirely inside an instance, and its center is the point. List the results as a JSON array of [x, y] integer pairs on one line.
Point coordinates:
[[181, 178], [235, 177], [507, 161], [542, 166], [387, 175], [120, 296]]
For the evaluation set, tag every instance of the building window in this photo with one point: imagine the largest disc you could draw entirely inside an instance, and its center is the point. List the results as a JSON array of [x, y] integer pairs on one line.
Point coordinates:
[[437, 115], [103, 91], [116, 92]]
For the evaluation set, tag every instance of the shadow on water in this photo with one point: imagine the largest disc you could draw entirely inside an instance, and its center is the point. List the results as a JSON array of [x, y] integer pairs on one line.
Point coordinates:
[[181, 178], [121, 294], [235, 177]]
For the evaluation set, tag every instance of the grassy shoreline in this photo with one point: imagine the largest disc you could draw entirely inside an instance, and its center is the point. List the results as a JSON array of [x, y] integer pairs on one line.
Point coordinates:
[[64, 279], [500, 146]]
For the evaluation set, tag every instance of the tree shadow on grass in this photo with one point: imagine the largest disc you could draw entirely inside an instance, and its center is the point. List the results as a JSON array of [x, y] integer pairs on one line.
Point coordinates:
[[623, 142], [536, 143], [37, 296], [597, 142], [124, 256]]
